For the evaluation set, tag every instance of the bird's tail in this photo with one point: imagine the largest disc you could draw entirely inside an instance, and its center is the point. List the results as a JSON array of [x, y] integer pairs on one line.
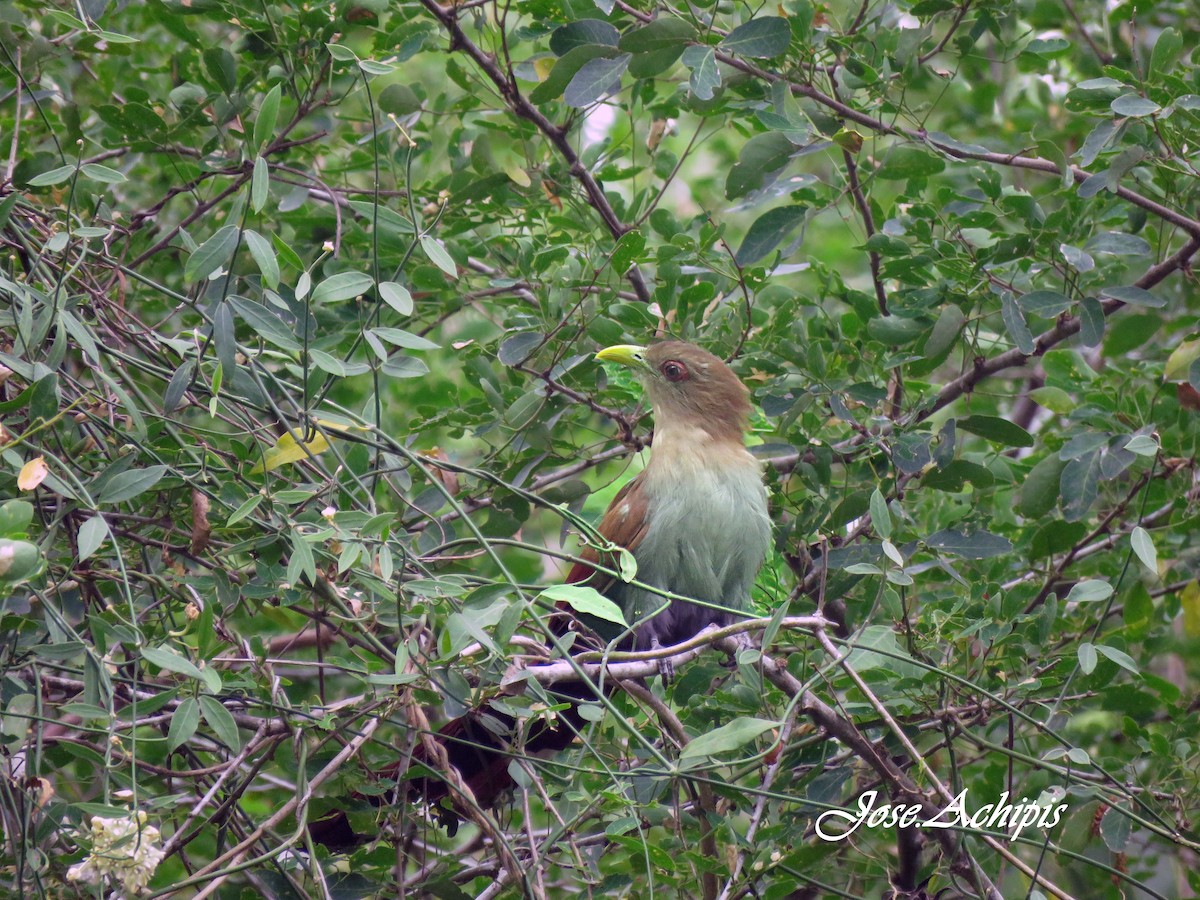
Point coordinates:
[[468, 762]]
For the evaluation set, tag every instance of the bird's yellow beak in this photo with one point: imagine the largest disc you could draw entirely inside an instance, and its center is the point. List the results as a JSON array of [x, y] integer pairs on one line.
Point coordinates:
[[625, 354]]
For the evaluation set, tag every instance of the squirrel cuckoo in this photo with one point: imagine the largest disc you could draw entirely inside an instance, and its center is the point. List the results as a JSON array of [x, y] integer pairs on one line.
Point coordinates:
[[695, 520]]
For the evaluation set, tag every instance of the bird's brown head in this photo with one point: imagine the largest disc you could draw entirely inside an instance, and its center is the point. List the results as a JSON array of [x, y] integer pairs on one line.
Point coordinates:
[[688, 387]]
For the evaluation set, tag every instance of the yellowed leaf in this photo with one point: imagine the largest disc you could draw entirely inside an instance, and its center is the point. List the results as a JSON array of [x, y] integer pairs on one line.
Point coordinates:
[[33, 473], [1189, 599], [517, 174], [289, 450], [1181, 360], [542, 67], [548, 190]]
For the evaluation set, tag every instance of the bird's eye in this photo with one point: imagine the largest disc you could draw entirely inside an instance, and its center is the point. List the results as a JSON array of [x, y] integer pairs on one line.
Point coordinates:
[[674, 370]]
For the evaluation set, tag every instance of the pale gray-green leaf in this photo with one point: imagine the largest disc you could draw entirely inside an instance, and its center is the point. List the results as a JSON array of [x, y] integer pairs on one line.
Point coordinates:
[[584, 599], [729, 737]]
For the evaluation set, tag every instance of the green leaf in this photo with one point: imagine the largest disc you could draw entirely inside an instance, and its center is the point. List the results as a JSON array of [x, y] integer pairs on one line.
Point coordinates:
[[663, 32], [1119, 244], [1038, 494], [705, 77], [881, 517], [1048, 46], [113, 37], [289, 256], [399, 100], [15, 516], [767, 232], [19, 561], [212, 254], [1091, 322], [1122, 659], [969, 545], [260, 184], [586, 600], [374, 67], [1046, 304], [397, 297], [92, 535], [648, 65], [729, 737], [1142, 445], [565, 70], [1054, 399], [398, 337], [896, 331], [1079, 484], [401, 366], [945, 332], [184, 722], [266, 323], [1143, 546], [81, 334], [179, 383], [997, 430], [438, 256], [341, 53], [911, 452], [518, 347], [595, 79], [302, 567], [761, 38], [1077, 259], [877, 648], [248, 506], [1091, 590], [629, 247], [171, 661], [268, 115], [127, 485], [1134, 296], [907, 162], [1087, 658], [1096, 142], [586, 31], [220, 720], [54, 176], [342, 286], [1082, 444], [1130, 332], [957, 474], [264, 257], [222, 68], [1114, 829], [761, 156], [102, 173], [1015, 324], [1134, 106]]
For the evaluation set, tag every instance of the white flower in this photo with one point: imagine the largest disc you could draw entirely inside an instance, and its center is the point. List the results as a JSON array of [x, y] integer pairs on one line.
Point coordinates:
[[124, 851]]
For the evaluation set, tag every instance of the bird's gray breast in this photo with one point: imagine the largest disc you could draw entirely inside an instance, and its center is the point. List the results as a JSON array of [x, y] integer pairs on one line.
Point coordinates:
[[706, 538]]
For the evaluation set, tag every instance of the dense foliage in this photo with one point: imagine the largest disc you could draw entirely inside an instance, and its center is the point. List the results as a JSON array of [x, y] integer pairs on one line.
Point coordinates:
[[298, 307]]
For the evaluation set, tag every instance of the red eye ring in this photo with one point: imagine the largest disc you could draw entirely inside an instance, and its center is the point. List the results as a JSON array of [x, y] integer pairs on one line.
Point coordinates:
[[674, 370]]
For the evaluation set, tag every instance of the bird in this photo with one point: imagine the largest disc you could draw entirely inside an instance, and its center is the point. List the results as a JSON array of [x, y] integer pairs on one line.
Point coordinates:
[[696, 517], [695, 520]]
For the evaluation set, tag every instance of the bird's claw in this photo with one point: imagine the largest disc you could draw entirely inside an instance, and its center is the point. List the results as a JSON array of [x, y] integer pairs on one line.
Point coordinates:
[[742, 641], [666, 668]]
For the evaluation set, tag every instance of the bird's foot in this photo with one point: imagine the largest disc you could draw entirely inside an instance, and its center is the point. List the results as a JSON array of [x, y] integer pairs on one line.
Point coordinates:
[[666, 668], [741, 641]]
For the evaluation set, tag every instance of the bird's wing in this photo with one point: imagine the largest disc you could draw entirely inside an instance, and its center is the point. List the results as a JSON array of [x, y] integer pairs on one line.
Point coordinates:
[[623, 524]]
